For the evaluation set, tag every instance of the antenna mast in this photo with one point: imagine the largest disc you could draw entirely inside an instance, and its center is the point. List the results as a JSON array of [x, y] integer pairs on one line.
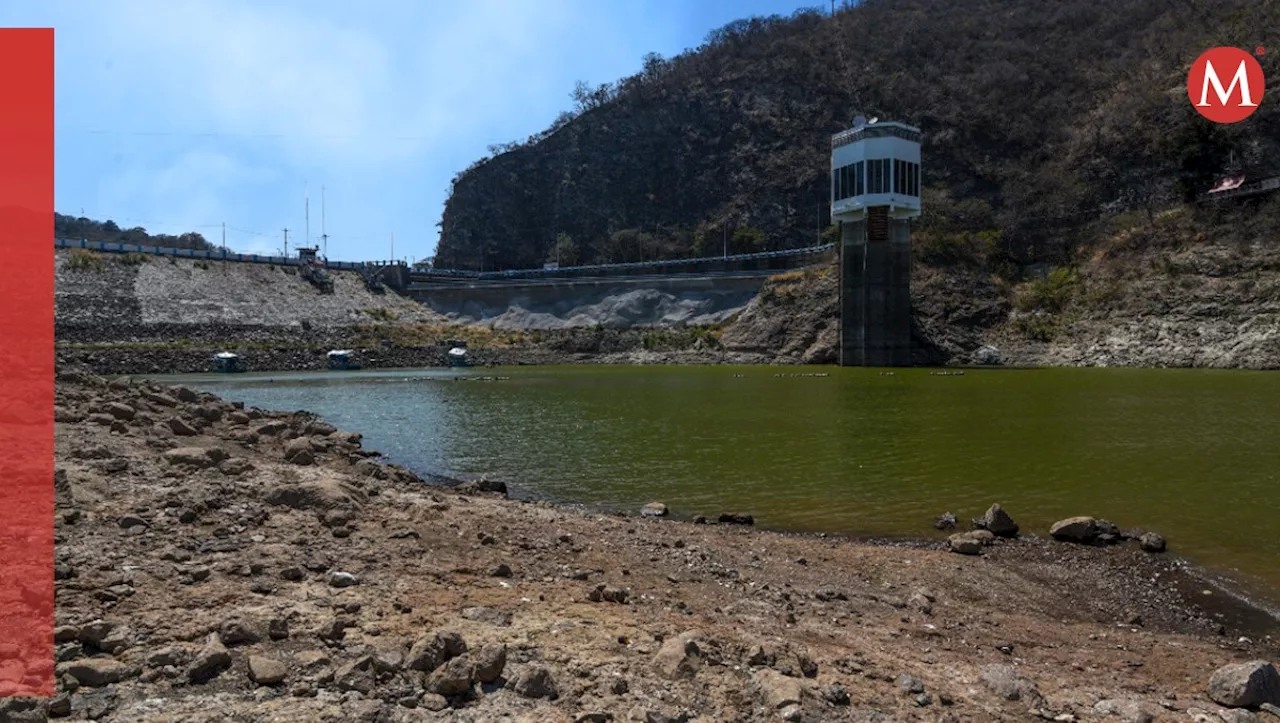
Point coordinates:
[[323, 234], [306, 195]]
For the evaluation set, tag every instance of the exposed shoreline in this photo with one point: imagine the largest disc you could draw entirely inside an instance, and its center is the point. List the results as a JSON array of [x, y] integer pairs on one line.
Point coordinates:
[[698, 622]]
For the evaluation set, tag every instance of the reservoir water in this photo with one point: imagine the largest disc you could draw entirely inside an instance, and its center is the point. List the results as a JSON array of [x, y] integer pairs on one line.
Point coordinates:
[[1192, 454]]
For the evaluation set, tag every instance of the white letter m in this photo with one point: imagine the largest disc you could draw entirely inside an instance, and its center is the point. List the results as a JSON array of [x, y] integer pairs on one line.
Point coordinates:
[[1241, 78]]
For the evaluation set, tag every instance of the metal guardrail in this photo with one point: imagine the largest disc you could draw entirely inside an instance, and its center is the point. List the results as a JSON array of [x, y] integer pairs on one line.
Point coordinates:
[[675, 265], [1249, 189], [213, 255]]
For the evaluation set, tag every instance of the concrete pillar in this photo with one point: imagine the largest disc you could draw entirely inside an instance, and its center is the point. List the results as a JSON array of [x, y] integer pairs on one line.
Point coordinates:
[[875, 293]]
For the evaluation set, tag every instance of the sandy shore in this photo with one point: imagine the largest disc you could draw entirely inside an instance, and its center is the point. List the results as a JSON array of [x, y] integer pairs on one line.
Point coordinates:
[[221, 563]]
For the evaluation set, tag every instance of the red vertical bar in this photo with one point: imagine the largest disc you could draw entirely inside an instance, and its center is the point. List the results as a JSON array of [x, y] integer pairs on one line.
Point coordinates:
[[26, 362]]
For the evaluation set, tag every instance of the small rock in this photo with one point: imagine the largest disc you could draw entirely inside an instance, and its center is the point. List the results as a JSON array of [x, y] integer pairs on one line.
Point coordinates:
[[433, 650], [488, 615], [292, 573], [434, 702], [60, 706], [359, 675], [1006, 682], [835, 694], [604, 593], [452, 678], [235, 466], [342, 579], [827, 594], [120, 410], [501, 570], [481, 486], [181, 428], [239, 632], [921, 602], [910, 684], [945, 521], [267, 671], [166, 657], [654, 509], [777, 690], [679, 657], [1151, 542], [278, 629], [1128, 711], [210, 662], [192, 457], [737, 518], [1075, 529], [1245, 685], [535, 681]]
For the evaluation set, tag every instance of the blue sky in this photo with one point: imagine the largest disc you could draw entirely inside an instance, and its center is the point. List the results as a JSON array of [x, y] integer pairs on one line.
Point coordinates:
[[183, 115]]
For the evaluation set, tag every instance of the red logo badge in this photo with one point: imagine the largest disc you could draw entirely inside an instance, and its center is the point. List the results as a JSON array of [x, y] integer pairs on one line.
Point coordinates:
[[1225, 85]]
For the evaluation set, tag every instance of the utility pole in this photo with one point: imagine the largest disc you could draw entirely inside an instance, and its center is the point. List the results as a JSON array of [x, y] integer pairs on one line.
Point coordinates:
[[306, 196], [286, 243], [224, 236], [393, 247]]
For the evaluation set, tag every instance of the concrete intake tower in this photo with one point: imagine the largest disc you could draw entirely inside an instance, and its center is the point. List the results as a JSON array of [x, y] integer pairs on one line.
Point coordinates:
[[875, 192]]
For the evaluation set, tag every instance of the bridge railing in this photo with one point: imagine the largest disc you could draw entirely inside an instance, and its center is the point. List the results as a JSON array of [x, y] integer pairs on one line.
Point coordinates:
[[219, 254], [757, 260]]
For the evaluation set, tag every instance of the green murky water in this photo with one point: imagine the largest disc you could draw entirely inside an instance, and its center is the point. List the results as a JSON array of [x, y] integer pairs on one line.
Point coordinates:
[[1194, 455]]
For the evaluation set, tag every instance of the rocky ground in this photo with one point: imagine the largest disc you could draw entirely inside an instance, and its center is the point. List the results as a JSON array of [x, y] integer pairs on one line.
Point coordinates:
[[220, 563]]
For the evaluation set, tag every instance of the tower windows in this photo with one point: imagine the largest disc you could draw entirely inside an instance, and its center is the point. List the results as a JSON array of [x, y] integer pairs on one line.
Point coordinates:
[[875, 176]]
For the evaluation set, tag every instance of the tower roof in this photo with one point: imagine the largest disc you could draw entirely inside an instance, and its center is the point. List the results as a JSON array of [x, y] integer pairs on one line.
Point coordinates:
[[876, 130]]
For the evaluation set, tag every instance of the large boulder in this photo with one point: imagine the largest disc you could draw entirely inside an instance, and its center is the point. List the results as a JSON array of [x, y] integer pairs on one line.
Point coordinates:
[[195, 456], [1075, 529], [267, 671], [964, 544], [452, 678], [998, 522], [654, 509], [95, 672], [322, 494], [299, 451], [1152, 542], [1245, 685], [535, 682]]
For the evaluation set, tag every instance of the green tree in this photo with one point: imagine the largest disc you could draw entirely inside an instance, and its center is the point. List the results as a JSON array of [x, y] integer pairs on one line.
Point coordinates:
[[564, 251]]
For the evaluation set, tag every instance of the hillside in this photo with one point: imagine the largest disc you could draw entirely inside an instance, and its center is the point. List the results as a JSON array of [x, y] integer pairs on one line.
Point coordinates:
[[1039, 119]]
